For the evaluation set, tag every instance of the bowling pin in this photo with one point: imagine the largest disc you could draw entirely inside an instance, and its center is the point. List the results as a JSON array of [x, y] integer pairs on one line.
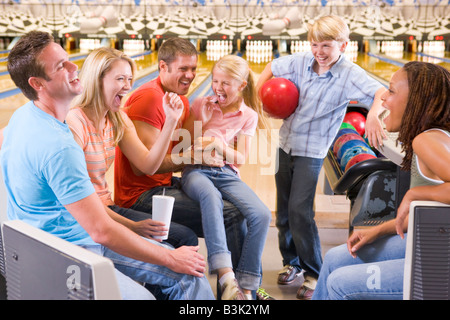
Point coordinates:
[[292, 19]]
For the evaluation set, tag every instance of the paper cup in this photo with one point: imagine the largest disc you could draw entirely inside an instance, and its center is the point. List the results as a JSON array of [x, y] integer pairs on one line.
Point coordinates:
[[162, 211]]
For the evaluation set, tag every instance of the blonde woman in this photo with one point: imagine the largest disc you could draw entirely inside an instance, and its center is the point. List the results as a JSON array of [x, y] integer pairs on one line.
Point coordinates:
[[99, 126]]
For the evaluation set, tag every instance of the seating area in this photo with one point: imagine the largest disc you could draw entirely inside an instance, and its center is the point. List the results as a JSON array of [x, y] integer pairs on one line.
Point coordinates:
[[335, 217], [30, 259]]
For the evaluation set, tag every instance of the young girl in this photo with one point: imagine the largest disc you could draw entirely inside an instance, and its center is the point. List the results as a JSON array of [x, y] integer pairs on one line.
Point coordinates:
[[99, 126], [419, 104], [227, 119]]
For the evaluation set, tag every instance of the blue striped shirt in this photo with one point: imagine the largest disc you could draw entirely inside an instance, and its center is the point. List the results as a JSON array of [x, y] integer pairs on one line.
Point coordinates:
[[310, 130]]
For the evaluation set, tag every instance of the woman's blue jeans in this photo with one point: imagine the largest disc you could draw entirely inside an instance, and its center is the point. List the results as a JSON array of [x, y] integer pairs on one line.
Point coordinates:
[[298, 237], [376, 272], [209, 186], [179, 235]]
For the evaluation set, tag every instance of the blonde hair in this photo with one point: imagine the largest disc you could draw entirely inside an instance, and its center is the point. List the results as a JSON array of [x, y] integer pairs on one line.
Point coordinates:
[[328, 28], [239, 69], [97, 64]]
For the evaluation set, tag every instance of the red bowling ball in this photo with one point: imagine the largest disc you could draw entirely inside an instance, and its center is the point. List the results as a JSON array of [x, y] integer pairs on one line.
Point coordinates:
[[279, 97], [359, 158], [357, 120]]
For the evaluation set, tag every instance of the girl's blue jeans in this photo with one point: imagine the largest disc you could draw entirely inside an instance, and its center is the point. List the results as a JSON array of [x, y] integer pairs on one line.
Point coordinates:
[[210, 186]]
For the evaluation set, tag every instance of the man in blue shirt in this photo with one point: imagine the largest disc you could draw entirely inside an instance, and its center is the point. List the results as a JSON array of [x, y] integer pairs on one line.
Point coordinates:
[[48, 185], [327, 81]]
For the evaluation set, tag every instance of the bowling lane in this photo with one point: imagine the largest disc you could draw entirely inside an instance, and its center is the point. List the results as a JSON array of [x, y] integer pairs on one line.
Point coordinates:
[[433, 58], [257, 68], [144, 62], [202, 79], [384, 69], [379, 68]]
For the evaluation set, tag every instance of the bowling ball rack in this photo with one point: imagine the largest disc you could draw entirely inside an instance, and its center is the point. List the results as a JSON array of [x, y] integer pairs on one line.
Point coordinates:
[[375, 188], [348, 182]]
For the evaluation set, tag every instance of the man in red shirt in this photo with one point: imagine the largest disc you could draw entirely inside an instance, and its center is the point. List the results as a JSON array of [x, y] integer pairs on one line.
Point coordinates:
[[177, 60]]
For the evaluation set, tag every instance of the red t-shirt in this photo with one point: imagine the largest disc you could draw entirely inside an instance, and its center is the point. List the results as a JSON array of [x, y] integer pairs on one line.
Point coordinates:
[[145, 104]]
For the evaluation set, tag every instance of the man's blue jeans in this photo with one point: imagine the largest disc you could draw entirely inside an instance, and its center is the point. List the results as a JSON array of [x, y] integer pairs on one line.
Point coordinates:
[[376, 272], [163, 283], [187, 213], [296, 181]]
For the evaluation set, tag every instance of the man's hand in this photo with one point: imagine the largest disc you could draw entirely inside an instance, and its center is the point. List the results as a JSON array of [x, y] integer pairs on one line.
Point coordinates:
[[173, 106], [187, 260]]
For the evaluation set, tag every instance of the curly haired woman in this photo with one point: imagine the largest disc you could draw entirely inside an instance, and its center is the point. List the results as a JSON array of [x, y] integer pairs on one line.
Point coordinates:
[[418, 101]]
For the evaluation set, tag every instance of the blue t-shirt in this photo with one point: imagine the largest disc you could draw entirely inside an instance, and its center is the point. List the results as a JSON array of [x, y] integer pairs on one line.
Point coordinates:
[[310, 130], [44, 169]]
